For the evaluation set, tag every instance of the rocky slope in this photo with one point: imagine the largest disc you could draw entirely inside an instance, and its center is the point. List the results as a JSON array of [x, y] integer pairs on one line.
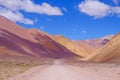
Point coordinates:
[[69, 44], [96, 43], [18, 41], [110, 52]]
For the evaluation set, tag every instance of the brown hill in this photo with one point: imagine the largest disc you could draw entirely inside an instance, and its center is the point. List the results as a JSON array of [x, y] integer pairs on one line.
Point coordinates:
[[17, 41], [88, 49], [89, 46], [96, 43], [47, 40], [69, 44], [72, 46], [109, 52]]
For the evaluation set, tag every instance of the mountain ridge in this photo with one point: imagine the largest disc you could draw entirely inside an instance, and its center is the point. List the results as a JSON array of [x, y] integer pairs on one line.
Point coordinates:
[[18, 41]]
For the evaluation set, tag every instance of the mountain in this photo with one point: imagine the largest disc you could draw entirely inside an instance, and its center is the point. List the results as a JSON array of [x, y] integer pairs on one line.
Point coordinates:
[[72, 46], [91, 45], [48, 41], [18, 41], [96, 43], [87, 48], [109, 52]]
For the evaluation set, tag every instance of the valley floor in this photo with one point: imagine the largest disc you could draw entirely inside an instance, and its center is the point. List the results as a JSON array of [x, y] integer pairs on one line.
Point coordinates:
[[11, 66], [75, 71]]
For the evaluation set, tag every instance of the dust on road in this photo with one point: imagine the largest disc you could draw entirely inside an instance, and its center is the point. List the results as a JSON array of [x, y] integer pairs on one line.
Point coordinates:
[[58, 71]]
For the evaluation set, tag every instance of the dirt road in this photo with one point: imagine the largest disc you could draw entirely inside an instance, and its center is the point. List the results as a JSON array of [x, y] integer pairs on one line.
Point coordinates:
[[58, 71]]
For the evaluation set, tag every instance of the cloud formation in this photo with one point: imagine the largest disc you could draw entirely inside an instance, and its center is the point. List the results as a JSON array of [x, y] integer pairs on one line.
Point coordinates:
[[15, 16], [42, 27], [116, 1], [83, 32], [97, 9], [11, 10]]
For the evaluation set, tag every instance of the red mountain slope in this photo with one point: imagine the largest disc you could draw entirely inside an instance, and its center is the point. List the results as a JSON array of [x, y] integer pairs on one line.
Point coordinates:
[[17, 41]]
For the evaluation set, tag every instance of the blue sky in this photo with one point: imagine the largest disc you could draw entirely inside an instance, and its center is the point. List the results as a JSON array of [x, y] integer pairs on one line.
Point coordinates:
[[74, 19]]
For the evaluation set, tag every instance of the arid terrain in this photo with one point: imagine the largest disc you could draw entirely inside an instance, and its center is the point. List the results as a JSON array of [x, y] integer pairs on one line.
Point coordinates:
[[59, 70], [11, 66], [30, 54]]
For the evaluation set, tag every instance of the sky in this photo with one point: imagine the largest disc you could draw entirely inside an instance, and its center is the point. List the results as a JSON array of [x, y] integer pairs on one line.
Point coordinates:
[[74, 19]]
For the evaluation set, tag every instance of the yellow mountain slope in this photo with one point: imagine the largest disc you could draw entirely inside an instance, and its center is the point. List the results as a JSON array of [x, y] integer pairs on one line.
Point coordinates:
[[110, 52]]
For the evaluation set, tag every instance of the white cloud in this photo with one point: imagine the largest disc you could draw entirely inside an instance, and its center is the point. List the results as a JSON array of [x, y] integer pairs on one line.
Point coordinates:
[[116, 10], [15, 16], [42, 27], [83, 32], [64, 9], [97, 9], [116, 1], [94, 8], [13, 8], [29, 6]]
